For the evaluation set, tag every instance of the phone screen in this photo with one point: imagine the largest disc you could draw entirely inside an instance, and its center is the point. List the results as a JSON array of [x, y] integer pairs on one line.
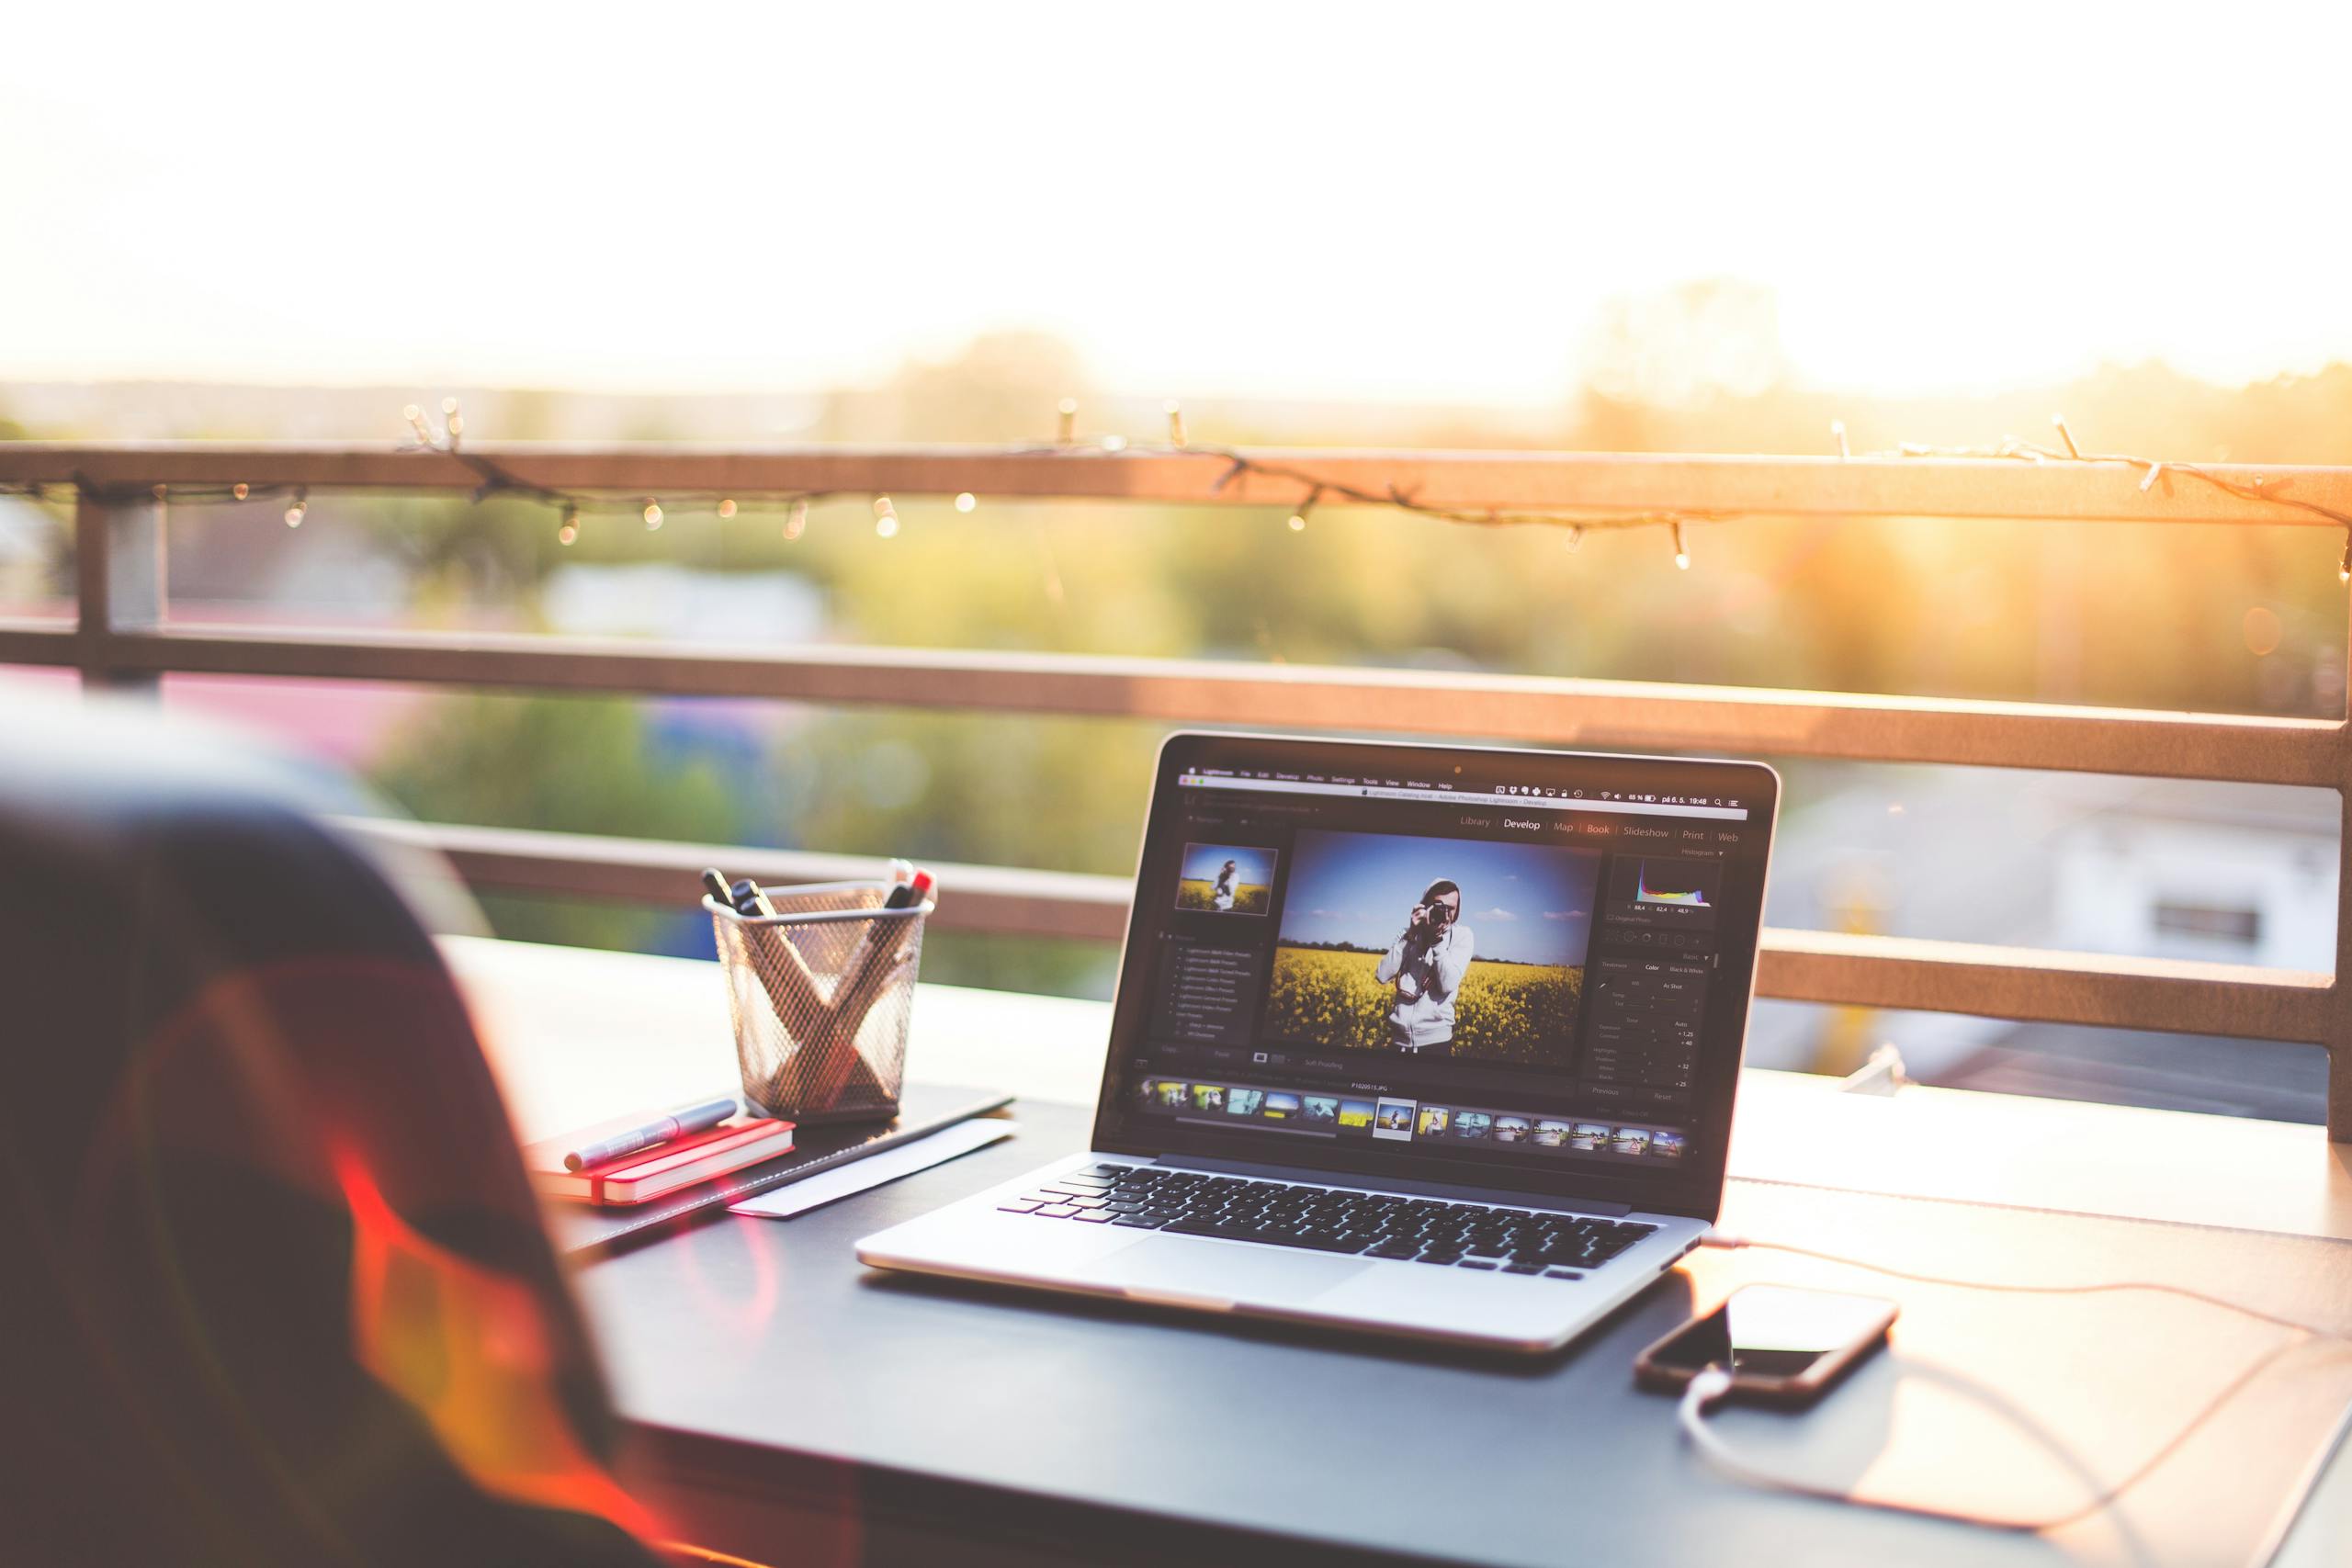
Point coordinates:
[[1774, 1331]]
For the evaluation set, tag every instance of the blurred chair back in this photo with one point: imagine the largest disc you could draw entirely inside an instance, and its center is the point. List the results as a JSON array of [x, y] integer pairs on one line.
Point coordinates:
[[276, 1289]]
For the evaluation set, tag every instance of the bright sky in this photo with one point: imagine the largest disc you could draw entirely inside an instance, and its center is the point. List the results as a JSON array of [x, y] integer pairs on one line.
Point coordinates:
[[1417, 202]]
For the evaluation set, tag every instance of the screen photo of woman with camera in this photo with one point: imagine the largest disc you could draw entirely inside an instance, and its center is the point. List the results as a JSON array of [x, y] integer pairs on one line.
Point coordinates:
[[1425, 968]]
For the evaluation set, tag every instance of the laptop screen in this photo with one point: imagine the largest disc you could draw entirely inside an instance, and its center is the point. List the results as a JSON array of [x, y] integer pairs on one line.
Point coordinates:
[[1516, 970]]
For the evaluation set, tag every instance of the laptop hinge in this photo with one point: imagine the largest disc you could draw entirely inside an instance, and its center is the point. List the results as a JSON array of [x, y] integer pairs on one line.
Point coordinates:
[[1429, 1188]]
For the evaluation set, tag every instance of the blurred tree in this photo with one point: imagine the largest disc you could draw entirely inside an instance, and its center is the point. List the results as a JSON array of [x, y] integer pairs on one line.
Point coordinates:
[[564, 764], [2150, 616]]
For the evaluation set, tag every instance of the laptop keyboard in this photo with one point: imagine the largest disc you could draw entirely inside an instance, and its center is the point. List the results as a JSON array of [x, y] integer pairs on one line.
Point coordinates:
[[1332, 1219]]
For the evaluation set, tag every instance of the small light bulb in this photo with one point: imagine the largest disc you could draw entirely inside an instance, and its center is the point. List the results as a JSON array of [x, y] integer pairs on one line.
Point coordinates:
[[1576, 537], [1115, 444], [298, 506], [795, 522], [1298, 521], [1066, 431], [240, 491], [886, 517], [571, 529], [448, 405], [653, 516], [2343, 567], [727, 508], [1681, 550], [160, 492], [965, 501], [1175, 423]]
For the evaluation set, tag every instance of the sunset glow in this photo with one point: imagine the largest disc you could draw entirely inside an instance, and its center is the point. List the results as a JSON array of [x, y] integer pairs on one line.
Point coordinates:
[[1308, 202]]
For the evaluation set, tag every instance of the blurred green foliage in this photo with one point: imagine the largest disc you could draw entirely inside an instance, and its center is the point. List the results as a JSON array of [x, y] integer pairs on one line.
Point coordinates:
[[563, 764], [2157, 616]]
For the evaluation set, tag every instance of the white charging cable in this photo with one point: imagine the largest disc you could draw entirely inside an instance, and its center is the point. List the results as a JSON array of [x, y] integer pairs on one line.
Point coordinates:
[[1712, 1385]]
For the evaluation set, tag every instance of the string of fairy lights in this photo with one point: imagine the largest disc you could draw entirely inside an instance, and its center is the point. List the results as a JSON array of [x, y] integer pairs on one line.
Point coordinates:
[[574, 506]]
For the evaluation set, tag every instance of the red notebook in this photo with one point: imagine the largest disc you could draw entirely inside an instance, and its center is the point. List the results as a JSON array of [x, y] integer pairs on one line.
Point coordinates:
[[666, 1167]]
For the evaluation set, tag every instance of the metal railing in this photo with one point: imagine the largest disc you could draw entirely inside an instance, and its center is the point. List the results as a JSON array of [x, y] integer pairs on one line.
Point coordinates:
[[124, 636]]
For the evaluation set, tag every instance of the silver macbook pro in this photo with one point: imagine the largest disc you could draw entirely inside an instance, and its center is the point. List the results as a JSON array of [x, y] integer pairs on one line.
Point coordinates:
[[1419, 1039]]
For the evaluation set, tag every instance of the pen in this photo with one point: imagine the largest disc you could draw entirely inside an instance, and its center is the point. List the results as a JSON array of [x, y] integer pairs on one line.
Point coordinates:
[[661, 1130]]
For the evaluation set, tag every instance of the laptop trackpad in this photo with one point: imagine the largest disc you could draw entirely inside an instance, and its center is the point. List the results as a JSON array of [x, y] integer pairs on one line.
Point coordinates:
[[1219, 1272]]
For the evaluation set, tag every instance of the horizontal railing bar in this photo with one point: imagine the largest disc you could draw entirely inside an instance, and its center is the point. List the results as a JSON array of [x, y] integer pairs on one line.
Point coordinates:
[[2104, 990], [1591, 482], [972, 897], [2027, 984], [1533, 709], [26, 641]]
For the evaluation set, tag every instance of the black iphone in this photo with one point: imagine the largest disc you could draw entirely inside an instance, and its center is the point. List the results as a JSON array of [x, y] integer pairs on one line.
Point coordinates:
[[1781, 1345]]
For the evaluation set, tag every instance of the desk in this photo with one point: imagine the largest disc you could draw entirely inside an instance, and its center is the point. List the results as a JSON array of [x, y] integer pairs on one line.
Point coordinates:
[[973, 1426]]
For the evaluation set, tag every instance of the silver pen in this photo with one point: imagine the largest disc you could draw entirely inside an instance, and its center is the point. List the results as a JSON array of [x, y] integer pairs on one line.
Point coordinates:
[[662, 1129]]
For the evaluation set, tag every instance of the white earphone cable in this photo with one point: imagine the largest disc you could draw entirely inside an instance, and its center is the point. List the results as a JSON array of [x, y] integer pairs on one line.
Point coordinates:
[[1712, 1385]]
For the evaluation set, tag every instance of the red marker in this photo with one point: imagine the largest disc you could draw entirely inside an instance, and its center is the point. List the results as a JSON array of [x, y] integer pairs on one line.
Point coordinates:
[[914, 890]]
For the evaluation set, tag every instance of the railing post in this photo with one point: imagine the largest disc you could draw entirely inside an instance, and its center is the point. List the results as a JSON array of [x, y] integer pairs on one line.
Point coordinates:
[[118, 552], [2339, 1043]]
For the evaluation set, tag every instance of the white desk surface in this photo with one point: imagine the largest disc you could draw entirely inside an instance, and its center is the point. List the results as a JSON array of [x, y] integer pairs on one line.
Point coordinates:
[[575, 1035]]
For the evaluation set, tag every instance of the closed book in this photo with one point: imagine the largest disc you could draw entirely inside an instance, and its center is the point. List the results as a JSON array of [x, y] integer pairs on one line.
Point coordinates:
[[580, 1228], [666, 1167]]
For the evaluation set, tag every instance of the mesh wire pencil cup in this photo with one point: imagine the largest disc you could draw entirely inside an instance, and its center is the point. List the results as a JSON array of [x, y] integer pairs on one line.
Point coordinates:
[[822, 994]]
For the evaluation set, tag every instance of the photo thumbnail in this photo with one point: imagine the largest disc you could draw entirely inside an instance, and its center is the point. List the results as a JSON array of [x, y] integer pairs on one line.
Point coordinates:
[[1435, 1121], [1243, 1101], [1355, 1115], [1667, 1146], [1442, 947], [1171, 1093], [1280, 1107], [1394, 1119], [1208, 1097], [1590, 1136], [1225, 879], [1320, 1109], [1550, 1134], [1632, 1141], [1474, 1124], [1510, 1129]]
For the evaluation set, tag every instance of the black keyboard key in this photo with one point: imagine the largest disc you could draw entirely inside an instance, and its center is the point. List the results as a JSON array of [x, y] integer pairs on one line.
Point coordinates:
[[1562, 1274], [1399, 1250], [1138, 1222], [1477, 1263], [1522, 1268]]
